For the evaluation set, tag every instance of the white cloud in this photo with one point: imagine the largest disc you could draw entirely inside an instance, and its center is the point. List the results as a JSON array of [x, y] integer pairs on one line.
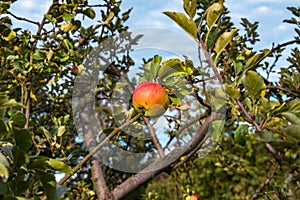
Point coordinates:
[[263, 9]]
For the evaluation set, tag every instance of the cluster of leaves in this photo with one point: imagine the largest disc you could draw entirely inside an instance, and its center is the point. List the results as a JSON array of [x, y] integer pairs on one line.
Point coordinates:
[[231, 171], [38, 139], [261, 112]]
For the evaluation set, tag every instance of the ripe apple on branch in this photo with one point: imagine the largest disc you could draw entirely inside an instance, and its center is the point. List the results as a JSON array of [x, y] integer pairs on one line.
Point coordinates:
[[151, 97]]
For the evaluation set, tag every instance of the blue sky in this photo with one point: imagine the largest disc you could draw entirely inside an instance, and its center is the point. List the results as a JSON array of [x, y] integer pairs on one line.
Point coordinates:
[[269, 13], [148, 14]]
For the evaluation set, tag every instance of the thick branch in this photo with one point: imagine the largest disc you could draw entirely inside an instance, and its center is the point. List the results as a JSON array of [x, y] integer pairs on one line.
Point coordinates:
[[133, 182], [91, 143]]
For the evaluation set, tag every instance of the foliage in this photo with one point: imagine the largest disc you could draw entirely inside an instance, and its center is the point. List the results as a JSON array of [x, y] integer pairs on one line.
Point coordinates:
[[257, 155]]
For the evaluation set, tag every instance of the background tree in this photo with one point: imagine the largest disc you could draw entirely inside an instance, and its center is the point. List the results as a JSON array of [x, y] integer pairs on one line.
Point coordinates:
[[257, 155]]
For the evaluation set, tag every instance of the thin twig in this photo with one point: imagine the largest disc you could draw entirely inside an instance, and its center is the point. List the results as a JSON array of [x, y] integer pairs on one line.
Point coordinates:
[[22, 18], [263, 185], [284, 90], [154, 138], [249, 119]]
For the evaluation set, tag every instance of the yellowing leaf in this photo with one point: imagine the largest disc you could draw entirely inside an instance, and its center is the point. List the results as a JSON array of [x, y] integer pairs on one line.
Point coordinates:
[[186, 24], [223, 41], [213, 13], [109, 18], [257, 58], [190, 7]]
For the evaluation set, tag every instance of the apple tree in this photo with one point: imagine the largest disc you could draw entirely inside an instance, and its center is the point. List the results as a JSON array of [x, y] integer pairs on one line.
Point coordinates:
[[66, 108]]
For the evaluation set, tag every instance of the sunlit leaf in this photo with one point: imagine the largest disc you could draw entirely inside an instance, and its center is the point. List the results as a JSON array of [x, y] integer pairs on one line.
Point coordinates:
[[190, 7], [4, 173], [171, 67], [109, 18], [61, 130], [213, 13], [12, 34], [256, 59], [253, 83], [223, 41], [49, 163], [232, 91], [186, 24]]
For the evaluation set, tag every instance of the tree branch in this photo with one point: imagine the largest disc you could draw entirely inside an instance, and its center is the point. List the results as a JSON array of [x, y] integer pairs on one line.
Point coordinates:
[[263, 185], [249, 119], [91, 143], [133, 182], [284, 90]]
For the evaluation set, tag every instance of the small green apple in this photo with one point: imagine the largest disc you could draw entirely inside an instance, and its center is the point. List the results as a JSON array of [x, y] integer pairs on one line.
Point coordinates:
[[151, 97]]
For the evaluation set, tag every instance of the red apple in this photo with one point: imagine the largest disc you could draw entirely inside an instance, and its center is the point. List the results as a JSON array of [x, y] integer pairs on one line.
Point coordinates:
[[151, 97], [74, 70], [194, 197]]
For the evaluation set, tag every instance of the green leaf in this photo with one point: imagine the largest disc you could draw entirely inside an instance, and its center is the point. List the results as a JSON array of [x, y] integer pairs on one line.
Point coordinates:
[[232, 91], [155, 65], [67, 27], [223, 41], [59, 166], [4, 173], [293, 117], [213, 13], [175, 100], [170, 68], [23, 138], [19, 157], [292, 132], [67, 17], [218, 99], [12, 34], [217, 129], [186, 24], [18, 119], [68, 44], [49, 184], [151, 69], [61, 130], [190, 7], [266, 136], [4, 160], [294, 105], [256, 59], [22, 182], [253, 83], [240, 133], [39, 55], [89, 12], [8, 103], [49, 163]]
